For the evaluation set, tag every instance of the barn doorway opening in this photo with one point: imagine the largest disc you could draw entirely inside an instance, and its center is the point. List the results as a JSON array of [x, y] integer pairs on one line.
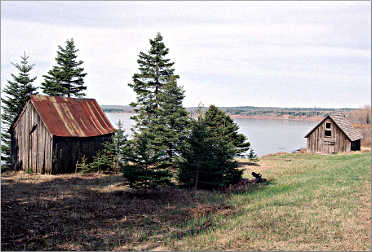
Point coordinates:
[[355, 145]]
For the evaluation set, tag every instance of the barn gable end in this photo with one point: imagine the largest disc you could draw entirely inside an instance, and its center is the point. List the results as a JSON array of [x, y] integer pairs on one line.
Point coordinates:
[[31, 147], [333, 134]]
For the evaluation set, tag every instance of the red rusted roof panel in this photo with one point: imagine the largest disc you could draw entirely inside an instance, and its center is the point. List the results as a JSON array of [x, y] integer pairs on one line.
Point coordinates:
[[72, 117]]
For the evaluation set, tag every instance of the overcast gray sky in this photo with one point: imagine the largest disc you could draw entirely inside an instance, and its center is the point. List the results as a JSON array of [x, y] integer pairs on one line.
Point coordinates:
[[290, 54]]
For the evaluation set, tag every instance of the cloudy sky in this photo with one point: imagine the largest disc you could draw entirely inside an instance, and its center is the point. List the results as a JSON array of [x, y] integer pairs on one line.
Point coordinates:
[[305, 54]]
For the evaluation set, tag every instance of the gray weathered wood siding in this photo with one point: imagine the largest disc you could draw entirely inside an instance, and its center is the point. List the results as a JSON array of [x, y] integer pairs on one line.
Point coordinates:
[[318, 142], [31, 142]]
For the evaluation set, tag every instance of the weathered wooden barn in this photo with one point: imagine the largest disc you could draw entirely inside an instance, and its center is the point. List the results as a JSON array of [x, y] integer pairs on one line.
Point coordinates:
[[334, 133], [52, 133]]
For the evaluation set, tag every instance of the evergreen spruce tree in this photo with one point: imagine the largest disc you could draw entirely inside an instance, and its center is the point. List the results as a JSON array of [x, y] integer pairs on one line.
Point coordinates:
[[195, 155], [252, 155], [15, 95], [174, 119], [207, 160], [119, 145], [110, 158], [144, 167], [161, 121], [67, 77], [155, 72], [216, 119]]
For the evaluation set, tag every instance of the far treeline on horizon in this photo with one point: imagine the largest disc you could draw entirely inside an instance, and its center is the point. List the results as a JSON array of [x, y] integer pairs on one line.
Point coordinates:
[[248, 110]]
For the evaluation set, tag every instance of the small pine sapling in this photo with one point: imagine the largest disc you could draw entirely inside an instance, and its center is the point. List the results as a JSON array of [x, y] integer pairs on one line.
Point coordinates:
[[82, 166], [252, 155]]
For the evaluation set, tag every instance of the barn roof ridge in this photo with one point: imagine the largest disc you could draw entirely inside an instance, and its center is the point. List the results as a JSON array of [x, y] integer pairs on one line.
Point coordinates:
[[63, 97], [71, 117], [343, 123]]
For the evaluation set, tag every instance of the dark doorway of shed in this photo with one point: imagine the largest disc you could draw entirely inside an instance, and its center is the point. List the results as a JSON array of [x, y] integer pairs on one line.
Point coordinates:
[[355, 145]]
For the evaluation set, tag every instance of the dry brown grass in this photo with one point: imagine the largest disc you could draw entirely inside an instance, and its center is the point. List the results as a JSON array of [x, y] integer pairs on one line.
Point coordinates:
[[95, 212], [361, 119], [361, 115], [365, 130]]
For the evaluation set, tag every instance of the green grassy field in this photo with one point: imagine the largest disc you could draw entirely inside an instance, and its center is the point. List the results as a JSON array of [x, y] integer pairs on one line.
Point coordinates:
[[310, 202], [313, 203]]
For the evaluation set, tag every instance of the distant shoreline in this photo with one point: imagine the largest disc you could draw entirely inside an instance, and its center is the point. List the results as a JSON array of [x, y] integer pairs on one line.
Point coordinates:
[[274, 117], [258, 113], [257, 117]]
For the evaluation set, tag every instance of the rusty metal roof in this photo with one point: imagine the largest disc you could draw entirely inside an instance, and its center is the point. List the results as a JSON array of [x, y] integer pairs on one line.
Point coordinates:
[[72, 117], [343, 123]]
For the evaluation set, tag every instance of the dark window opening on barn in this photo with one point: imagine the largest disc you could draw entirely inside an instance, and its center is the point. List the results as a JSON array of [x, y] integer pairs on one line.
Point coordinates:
[[328, 125], [328, 133], [33, 129]]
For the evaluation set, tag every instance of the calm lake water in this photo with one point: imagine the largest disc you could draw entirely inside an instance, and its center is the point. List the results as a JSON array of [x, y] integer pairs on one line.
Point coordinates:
[[265, 136]]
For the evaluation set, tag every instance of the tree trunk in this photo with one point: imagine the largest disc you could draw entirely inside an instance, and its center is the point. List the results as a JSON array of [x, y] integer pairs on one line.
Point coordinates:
[[196, 178]]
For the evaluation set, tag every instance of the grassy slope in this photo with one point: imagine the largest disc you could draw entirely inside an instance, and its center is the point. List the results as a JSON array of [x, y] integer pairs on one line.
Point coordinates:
[[315, 202], [312, 202]]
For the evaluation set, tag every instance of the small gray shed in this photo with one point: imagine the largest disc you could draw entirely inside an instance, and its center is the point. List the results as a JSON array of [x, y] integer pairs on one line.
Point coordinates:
[[335, 133]]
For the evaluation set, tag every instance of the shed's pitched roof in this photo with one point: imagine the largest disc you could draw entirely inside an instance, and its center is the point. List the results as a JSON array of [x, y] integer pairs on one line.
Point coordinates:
[[72, 117], [344, 124]]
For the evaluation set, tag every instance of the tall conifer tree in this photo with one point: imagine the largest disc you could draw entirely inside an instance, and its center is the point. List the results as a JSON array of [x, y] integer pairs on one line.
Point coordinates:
[[15, 95], [161, 120], [155, 71], [174, 119], [67, 77]]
